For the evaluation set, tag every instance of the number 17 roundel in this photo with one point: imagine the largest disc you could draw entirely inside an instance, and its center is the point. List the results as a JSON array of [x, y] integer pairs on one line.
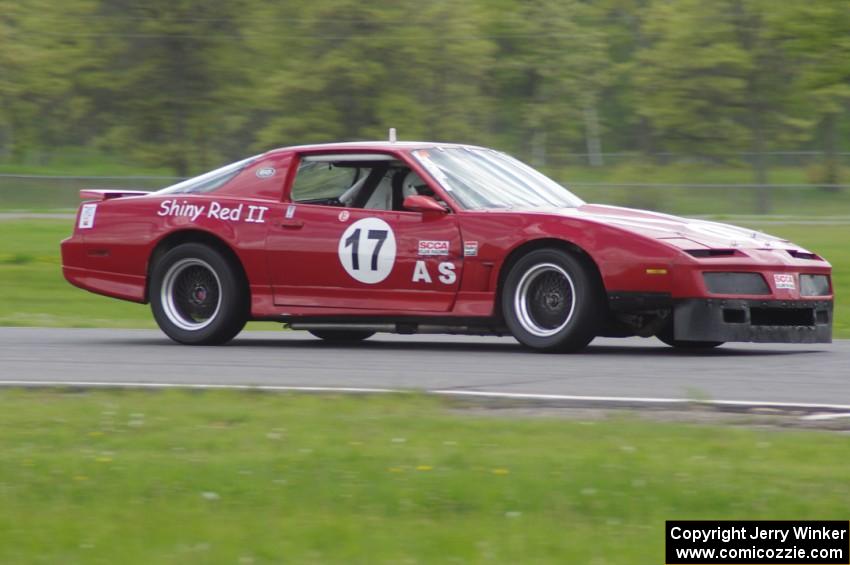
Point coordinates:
[[367, 250]]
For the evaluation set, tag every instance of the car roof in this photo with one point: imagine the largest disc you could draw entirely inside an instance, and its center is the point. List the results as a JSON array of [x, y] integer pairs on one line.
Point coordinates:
[[372, 146]]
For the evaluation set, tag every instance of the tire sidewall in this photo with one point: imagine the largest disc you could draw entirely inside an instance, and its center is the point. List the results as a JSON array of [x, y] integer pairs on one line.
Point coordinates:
[[588, 310], [233, 309]]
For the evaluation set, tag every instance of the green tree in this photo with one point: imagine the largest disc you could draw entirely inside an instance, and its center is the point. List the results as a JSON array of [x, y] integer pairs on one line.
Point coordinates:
[[692, 75], [818, 32], [342, 69], [552, 67], [42, 48], [714, 79], [158, 76], [623, 23]]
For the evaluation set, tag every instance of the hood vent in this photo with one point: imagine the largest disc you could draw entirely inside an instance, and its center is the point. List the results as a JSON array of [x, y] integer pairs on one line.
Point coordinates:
[[799, 254], [712, 252]]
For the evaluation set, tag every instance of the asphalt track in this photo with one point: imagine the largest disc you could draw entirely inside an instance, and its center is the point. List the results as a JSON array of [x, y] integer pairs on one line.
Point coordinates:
[[610, 368]]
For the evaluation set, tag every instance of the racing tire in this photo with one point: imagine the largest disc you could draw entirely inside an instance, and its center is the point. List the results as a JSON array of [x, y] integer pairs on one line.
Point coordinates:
[[198, 297], [342, 336], [552, 301]]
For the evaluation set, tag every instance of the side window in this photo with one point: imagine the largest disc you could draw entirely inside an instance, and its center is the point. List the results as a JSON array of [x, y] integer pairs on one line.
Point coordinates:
[[320, 182], [354, 180]]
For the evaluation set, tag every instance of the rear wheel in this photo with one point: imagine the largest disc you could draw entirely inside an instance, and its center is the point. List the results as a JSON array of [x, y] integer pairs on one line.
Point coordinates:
[[341, 336], [197, 296], [552, 302]]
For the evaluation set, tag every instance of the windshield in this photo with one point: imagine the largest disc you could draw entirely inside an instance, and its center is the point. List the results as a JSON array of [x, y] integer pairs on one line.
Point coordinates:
[[208, 182], [481, 179]]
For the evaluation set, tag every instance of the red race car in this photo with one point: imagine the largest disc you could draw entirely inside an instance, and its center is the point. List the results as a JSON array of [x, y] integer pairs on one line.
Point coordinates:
[[348, 239]]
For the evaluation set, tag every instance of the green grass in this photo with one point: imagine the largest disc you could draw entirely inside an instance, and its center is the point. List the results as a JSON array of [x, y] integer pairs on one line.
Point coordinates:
[[146, 477], [79, 161], [21, 193], [716, 201], [39, 194], [34, 293], [703, 201]]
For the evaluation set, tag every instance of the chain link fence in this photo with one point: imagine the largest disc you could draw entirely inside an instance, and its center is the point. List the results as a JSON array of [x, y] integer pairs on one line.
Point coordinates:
[[771, 159], [718, 186], [43, 192]]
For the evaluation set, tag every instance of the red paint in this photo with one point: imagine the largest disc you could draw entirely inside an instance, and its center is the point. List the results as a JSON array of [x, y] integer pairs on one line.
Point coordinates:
[[293, 266]]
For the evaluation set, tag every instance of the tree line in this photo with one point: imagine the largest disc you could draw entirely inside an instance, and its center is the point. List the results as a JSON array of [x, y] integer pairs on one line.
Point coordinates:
[[188, 84]]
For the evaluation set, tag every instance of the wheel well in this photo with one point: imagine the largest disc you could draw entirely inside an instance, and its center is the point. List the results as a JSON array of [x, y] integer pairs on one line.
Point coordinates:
[[548, 243], [172, 240]]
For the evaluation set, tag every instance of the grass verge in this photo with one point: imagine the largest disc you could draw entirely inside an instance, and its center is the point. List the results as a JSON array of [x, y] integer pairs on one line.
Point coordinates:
[[221, 477], [34, 293]]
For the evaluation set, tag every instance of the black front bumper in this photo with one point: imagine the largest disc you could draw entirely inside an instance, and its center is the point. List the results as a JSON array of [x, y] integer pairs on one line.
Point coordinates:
[[765, 321]]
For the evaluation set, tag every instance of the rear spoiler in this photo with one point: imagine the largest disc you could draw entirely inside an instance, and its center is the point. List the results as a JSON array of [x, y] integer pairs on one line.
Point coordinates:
[[92, 194]]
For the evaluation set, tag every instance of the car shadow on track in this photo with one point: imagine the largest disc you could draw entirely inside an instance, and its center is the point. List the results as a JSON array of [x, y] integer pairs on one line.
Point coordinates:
[[723, 351], [508, 346], [490, 346], [376, 344]]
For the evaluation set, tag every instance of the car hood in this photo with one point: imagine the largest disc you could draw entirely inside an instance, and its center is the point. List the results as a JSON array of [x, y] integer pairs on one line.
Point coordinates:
[[685, 233]]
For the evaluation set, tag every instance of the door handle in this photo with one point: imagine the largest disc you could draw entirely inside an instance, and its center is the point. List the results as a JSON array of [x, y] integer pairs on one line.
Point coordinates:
[[290, 224]]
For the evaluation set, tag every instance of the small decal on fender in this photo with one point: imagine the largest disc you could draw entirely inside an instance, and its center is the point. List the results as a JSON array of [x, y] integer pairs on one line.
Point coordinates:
[[470, 249], [265, 172], [784, 280], [87, 216], [343, 215], [446, 272]]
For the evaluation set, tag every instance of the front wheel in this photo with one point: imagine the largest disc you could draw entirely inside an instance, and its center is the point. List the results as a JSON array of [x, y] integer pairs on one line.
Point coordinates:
[[552, 301], [198, 297]]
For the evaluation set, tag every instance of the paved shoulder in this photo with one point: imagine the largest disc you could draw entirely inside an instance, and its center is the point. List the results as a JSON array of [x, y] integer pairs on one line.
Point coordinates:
[[623, 368], [37, 216]]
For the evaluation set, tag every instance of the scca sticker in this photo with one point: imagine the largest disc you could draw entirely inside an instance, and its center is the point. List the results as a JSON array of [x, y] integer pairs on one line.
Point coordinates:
[[431, 248], [367, 250], [784, 280]]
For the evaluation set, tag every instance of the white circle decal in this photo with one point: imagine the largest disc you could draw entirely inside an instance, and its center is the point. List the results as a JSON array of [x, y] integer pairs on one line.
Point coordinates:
[[367, 250]]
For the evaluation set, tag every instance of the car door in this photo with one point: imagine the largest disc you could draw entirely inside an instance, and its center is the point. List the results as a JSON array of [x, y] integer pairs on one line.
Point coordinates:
[[325, 251]]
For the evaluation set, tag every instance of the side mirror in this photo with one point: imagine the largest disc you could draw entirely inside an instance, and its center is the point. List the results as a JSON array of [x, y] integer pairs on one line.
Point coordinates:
[[422, 203]]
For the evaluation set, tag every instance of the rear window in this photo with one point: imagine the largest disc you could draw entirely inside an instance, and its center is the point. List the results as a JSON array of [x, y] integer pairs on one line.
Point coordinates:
[[208, 182]]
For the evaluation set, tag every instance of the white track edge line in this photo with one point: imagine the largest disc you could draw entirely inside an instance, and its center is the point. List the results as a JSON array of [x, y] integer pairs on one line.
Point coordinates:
[[828, 416], [437, 392], [642, 400]]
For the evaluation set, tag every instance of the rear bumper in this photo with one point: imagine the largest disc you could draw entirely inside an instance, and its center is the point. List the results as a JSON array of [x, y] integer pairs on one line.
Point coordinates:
[[765, 321], [100, 281]]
